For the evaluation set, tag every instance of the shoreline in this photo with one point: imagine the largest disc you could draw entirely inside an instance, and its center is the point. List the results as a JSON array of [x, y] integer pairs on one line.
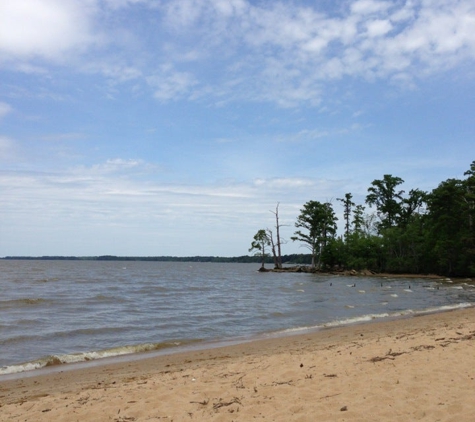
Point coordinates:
[[70, 362], [362, 273], [373, 369]]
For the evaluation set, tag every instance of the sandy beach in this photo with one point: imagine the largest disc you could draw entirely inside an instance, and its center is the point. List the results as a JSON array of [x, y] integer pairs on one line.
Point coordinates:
[[420, 368]]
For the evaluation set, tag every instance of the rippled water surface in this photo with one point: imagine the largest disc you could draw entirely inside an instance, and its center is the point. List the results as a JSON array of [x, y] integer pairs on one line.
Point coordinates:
[[53, 311]]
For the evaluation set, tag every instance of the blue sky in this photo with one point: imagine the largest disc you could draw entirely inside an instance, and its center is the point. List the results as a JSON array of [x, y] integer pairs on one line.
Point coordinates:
[[155, 127]]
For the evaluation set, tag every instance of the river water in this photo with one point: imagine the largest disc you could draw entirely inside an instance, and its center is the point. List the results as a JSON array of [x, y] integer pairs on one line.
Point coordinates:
[[54, 312]]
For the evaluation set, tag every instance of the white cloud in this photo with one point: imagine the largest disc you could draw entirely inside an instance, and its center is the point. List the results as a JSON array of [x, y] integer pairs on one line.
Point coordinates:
[[114, 166], [5, 109], [170, 84], [237, 50], [111, 188], [6, 147], [282, 183], [294, 51], [113, 69], [305, 135], [44, 28], [365, 7], [378, 28]]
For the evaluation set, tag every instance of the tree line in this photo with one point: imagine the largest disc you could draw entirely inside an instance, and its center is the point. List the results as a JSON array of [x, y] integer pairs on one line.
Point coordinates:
[[290, 258], [416, 232]]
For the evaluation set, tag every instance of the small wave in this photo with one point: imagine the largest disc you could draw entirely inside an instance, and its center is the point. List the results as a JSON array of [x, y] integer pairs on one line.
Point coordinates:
[[46, 280], [371, 317], [54, 360], [16, 303], [408, 312], [18, 339], [355, 320]]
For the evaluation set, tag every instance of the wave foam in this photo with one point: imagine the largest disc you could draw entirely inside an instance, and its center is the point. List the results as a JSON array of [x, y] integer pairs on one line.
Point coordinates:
[[372, 317], [54, 360]]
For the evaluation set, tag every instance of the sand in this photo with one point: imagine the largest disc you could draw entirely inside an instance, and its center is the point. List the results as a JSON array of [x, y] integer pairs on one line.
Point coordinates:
[[420, 368]]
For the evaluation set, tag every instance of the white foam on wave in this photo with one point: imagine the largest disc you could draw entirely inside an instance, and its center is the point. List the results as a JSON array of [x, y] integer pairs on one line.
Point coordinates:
[[355, 320], [372, 317], [53, 360]]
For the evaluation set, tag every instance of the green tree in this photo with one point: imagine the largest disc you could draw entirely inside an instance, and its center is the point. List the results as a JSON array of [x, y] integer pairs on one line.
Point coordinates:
[[259, 244], [470, 197], [451, 214], [383, 195], [412, 206], [358, 219], [449, 226], [347, 207], [319, 222]]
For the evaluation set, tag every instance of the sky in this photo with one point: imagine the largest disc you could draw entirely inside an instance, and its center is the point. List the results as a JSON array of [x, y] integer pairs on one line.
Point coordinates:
[[158, 127]]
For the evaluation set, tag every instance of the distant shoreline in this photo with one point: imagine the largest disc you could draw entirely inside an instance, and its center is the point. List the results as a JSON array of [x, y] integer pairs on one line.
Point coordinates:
[[288, 260], [294, 259]]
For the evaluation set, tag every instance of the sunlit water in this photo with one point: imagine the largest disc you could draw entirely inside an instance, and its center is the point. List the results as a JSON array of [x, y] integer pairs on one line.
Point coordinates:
[[64, 311]]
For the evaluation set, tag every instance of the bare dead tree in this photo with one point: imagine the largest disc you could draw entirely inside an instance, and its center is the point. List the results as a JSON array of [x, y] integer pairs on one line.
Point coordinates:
[[273, 248], [276, 248]]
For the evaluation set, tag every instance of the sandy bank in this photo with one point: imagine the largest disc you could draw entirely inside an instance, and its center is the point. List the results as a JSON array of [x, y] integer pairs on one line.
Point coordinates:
[[405, 370]]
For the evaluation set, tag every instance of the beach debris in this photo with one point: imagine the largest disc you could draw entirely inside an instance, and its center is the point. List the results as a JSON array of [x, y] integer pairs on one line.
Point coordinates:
[[221, 403], [203, 403], [329, 396], [330, 375], [344, 409], [422, 347], [392, 355], [301, 365], [282, 383], [239, 383]]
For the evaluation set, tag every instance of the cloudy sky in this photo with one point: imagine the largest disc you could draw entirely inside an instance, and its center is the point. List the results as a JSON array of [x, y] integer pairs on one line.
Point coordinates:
[[174, 127]]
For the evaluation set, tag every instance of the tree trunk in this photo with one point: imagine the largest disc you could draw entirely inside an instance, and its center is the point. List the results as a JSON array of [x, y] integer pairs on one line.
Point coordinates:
[[278, 255], [274, 255]]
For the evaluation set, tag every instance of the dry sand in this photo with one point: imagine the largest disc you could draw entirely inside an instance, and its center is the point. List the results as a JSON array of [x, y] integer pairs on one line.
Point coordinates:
[[421, 368]]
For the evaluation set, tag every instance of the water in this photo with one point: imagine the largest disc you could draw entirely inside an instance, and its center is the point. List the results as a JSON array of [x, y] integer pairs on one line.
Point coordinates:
[[54, 312]]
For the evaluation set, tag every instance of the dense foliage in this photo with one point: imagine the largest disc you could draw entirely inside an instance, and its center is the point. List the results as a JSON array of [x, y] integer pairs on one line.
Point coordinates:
[[415, 233]]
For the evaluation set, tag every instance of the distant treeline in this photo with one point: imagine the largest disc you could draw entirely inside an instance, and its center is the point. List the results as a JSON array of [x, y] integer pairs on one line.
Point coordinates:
[[286, 259]]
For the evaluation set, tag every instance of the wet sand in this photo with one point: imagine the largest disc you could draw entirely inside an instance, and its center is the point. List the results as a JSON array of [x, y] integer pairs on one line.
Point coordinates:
[[420, 368]]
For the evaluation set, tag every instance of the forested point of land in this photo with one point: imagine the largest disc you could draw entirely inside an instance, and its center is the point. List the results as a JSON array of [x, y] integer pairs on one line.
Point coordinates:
[[416, 232]]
